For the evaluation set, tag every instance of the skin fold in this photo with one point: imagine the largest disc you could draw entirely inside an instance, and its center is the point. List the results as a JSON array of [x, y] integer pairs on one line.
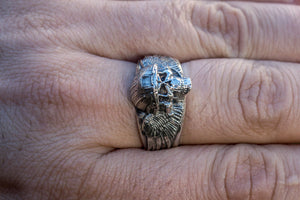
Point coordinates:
[[67, 126]]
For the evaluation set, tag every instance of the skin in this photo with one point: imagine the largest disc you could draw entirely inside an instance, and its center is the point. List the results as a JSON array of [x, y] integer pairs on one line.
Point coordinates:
[[67, 127]]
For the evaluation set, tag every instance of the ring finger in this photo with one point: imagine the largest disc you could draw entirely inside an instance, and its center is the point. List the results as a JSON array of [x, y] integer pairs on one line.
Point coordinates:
[[232, 100]]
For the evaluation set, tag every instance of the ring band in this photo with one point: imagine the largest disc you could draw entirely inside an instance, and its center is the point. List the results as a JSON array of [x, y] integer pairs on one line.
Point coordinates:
[[158, 94]]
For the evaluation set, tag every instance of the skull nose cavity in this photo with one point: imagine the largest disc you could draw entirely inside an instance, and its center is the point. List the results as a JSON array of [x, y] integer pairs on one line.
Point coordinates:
[[163, 90]]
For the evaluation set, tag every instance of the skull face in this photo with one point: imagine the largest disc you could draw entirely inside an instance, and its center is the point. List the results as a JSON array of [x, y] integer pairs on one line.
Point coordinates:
[[173, 86], [161, 85]]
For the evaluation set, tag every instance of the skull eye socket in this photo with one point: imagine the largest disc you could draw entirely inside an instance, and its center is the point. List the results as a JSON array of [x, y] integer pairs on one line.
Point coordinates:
[[163, 76]]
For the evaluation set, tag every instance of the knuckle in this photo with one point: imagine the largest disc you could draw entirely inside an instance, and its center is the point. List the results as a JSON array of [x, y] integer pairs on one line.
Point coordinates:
[[264, 97], [222, 24], [247, 174]]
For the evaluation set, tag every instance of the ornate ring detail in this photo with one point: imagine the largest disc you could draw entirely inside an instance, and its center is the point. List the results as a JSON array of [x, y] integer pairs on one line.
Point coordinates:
[[158, 94]]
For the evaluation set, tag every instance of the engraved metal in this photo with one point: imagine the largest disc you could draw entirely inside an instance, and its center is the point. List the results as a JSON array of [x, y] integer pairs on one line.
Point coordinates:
[[158, 94]]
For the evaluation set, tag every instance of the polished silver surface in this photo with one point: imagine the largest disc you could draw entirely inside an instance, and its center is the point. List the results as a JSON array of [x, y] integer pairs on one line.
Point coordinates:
[[158, 94]]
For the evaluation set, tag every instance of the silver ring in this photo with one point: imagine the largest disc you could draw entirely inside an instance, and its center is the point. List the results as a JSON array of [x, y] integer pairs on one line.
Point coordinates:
[[158, 94]]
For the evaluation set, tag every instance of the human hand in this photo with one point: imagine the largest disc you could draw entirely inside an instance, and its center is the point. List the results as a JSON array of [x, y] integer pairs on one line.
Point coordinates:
[[68, 130]]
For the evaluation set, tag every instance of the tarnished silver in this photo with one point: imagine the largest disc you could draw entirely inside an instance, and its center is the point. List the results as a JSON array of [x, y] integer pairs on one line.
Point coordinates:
[[158, 94]]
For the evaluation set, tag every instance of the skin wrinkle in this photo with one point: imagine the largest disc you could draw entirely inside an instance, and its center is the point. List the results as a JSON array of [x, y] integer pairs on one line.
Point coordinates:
[[192, 187], [285, 91], [239, 95], [281, 178], [192, 16], [185, 10], [229, 109], [263, 169], [231, 74], [278, 94], [216, 115], [211, 172], [226, 179], [250, 179], [273, 33], [224, 100], [243, 33], [256, 84], [210, 29], [224, 176], [257, 100], [275, 183], [227, 35], [247, 162], [284, 182], [293, 81], [201, 192], [264, 164]]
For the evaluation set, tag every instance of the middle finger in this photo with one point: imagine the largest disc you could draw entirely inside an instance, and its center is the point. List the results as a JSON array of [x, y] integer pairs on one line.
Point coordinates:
[[185, 30], [194, 29]]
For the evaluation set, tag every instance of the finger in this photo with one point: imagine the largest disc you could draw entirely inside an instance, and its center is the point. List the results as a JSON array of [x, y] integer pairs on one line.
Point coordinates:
[[199, 172], [209, 172], [231, 100], [186, 29], [190, 30]]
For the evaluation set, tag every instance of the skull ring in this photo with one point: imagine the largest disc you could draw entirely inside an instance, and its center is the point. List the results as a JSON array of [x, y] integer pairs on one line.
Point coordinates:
[[158, 94]]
